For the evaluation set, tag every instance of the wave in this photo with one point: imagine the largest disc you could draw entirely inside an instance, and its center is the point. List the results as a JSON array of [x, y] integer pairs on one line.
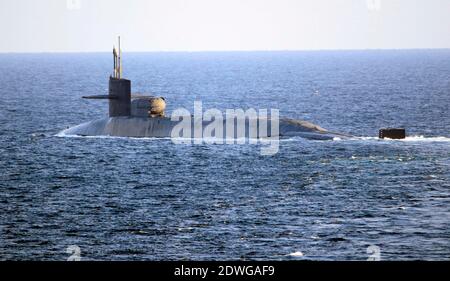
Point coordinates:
[[296, 254], [62, 134], [419, 138]]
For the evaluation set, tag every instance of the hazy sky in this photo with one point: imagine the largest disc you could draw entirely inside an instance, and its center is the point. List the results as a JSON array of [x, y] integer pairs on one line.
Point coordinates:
[[192, 25]]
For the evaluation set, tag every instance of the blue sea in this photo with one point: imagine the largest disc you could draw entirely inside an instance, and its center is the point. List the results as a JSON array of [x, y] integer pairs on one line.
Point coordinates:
[[151, 199]]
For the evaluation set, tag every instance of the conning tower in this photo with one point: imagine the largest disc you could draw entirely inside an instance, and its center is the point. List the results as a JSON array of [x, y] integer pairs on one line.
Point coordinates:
[[119, 95], [119, 88]]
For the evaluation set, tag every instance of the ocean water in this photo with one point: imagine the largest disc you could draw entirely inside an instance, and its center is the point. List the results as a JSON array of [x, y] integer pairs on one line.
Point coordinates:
[[150, 199]]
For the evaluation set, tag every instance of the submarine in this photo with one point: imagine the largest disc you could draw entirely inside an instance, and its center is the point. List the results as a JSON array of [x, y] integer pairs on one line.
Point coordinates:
[[134, 115]]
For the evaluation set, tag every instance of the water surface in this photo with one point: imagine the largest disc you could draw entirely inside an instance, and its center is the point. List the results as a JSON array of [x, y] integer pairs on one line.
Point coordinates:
[[124, 198]]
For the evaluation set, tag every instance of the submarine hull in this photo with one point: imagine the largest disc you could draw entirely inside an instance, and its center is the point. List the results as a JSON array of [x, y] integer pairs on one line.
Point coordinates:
[[162, 127]]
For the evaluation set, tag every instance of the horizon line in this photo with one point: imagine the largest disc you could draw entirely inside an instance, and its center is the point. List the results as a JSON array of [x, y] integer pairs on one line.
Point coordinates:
[[222, 51]]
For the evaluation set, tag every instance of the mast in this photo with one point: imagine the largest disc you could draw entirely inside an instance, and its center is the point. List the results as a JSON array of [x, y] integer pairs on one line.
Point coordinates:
[[115, 62], [120, 61], [117, 72]]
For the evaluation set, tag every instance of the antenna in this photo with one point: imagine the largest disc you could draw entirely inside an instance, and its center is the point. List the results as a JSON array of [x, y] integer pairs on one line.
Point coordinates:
[[115, 62], [120, 61], [117, 72]]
